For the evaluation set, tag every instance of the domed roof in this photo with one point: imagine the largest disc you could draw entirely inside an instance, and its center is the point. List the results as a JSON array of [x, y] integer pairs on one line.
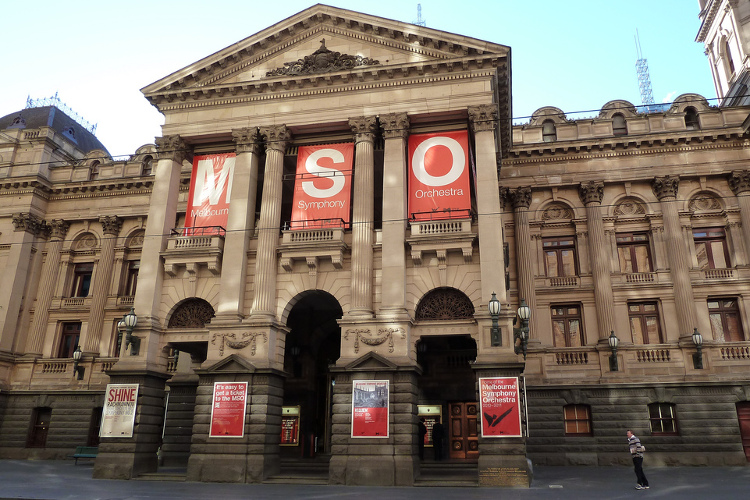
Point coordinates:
[[53, 117]]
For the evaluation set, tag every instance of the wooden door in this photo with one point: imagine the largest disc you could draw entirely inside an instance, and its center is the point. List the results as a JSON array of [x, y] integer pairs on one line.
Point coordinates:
[[743, 414], [463, 430]]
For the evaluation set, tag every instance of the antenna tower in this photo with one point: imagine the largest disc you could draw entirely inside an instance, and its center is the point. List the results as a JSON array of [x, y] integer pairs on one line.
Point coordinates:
[[644, 80], [419, 21]]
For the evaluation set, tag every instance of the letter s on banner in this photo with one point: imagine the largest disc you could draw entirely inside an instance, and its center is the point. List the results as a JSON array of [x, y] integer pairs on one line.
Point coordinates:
[[335, 175]]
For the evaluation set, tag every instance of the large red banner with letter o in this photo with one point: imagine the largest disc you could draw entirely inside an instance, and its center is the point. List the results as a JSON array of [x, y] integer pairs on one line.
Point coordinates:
[[322, 188], [439, 176], [500, 406], [210, 191]]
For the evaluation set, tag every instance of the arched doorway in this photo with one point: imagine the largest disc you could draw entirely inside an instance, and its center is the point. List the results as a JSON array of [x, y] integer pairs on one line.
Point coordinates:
[[312, 344]]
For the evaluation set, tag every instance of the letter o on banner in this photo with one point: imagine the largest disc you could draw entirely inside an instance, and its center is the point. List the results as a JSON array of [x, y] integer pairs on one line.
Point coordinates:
[[457, 168]]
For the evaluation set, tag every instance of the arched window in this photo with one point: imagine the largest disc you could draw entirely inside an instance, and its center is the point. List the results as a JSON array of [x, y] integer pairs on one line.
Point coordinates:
[[619, 127], [147, 165], [691, 118], [549, 133], [191, 313], [728, 61], [445, 303]]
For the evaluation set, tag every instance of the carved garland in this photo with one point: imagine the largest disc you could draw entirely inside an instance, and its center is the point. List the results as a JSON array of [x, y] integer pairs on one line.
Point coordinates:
[[365, 336], [322, 61], [230, 340]]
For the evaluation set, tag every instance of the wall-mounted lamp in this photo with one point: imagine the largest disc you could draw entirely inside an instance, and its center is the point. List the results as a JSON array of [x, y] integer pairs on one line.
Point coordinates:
[[78, 370], [698, 356], [129, 321], [522, 334], [494, 308], [614, 342]]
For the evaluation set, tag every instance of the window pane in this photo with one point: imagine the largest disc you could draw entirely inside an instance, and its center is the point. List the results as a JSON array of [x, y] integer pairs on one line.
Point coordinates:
[[558, 332], [568, 262], [626, 266], [575, 333], [716, 327], [700, 251], [652, 327], [733, 332], [551, 259], [636, 330], [717, 252], [641, 257]]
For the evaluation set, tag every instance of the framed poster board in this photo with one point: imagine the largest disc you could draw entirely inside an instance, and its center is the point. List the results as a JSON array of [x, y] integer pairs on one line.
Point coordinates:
[[500, 407], [370, 409], [118, 414], [290, 425], [228, 409], [431, 415]]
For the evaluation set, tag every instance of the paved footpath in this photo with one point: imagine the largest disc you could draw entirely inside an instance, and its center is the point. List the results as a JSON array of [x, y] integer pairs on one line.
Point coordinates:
[[62, 480]]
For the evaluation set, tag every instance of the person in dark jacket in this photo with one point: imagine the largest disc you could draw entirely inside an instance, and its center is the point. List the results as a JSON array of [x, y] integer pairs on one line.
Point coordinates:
[[437, 440], [636, 451], [422, 432]]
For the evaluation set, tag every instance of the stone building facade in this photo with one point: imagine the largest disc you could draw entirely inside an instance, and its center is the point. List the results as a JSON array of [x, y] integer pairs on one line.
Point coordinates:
[[628, 222]]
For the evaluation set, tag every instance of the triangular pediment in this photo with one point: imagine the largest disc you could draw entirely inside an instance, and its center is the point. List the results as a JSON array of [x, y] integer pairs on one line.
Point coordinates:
[[371, 361], [233, 363]]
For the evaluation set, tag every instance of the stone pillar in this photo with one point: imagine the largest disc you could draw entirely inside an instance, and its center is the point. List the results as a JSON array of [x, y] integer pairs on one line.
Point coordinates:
[[240, 225], [591, 194], [14, 276], [50, 272], [363, 215], [739, 181], [393, 282], [483, 121], [665, 189], [111, 228], [264, 303], [521, 200]]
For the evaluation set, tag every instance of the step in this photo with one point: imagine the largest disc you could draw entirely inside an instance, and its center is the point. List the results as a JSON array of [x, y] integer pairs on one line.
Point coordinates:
[[161, 476]]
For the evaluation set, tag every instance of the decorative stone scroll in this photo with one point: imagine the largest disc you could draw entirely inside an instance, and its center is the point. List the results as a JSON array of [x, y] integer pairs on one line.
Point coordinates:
[[231, 341], [322, 61], [365, 336]]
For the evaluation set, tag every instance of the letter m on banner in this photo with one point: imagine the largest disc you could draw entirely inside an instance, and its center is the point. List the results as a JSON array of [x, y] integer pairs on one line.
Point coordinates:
[[210, 192]]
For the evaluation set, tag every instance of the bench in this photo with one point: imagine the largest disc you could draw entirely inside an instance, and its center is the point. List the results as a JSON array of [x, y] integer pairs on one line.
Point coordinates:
[[84, 452]]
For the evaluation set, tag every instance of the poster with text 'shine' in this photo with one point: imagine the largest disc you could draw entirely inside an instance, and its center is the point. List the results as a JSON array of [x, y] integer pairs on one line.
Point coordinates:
[[210, 191], [228, 409], [118, 414], [500, 407], [370, 409]]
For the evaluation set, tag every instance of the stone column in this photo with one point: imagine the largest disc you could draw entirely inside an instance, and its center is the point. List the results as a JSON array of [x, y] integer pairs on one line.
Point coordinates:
[[240, 225], [393, 282], [591, 194], [521, 200], [739, 181], [111, 227], [665, 189], [50, 272], [27, 227], [264, 303], [363, 215], [483, 121]]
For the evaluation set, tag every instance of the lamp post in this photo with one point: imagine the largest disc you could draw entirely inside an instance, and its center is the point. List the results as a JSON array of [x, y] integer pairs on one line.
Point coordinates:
[[494, 308], [129, 321], [78, 370], [522, 334], [698, 356], [613, 343]]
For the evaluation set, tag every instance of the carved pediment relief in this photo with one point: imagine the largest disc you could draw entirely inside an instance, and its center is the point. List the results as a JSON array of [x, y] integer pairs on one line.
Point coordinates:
[[370, 361], [322, 61], [231, 364]]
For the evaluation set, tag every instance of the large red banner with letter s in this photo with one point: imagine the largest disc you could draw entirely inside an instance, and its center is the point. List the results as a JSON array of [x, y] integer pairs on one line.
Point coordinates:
[[322, 188], [500, 407], [210, 191], [439, 176]]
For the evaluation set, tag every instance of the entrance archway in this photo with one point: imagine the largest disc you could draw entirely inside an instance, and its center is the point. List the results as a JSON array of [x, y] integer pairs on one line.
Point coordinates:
[[312, 344]]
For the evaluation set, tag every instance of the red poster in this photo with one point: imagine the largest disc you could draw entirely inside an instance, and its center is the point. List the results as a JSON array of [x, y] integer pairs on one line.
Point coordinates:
[[210, 191], [500, 407], [322, 189], [439, 176], [228, 409], [370, 409]]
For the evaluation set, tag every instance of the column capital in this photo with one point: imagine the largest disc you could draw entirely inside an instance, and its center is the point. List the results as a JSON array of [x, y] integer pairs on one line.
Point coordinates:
[[665, 187], [111, 225], [364, 128], [520, 197], [591, 192], [58, 229], [483, 118], [395, 125], [277, 137], [29, 223], [246, 140], [739, 181], [171, 147]]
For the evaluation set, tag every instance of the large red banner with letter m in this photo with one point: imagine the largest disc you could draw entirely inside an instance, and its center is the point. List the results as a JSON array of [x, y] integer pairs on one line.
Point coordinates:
[[210, 191], [439, 176], [322, 188]]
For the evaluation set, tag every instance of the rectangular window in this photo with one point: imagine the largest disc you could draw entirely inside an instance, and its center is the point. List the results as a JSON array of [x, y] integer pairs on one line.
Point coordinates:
[[559, 256], [132, 278], [71, 333], [724, 315], [577, 420], [663, 419], [40, 418], [634, 254], [82, 279], [644, 322], [566, 326], [711, 248]]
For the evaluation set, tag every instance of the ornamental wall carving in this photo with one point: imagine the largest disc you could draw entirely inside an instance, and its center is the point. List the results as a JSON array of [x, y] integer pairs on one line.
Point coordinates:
[[365, 336], [322, 61], [665, 187], [444, 304], [704, 203], [629, 208], [192, 313], [557, 211], [230, 340]]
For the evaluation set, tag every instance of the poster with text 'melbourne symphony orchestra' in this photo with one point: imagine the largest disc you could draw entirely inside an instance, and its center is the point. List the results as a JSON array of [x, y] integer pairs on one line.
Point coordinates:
[[370, 409], [500, 407], [228, 409]]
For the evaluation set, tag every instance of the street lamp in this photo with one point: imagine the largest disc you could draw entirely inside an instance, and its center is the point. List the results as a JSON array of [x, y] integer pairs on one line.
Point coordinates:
[[522, 334], [129, 321], [494, 308], [613, 343], [698, 356], [77, 369]]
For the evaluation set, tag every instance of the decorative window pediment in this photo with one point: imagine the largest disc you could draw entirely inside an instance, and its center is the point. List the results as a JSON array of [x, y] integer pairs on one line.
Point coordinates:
[[191, 313], [444, 304]]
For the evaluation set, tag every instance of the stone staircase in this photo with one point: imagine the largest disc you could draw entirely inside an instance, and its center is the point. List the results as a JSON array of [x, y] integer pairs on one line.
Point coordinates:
[[177, 474], [302, 471], [448, 474]]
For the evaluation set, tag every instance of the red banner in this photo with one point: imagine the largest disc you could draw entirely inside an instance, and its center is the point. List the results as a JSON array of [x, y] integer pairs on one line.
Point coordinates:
[[439, 176], [210, 190], [322, 189], [500, 407], [228, 409], [370, 409]]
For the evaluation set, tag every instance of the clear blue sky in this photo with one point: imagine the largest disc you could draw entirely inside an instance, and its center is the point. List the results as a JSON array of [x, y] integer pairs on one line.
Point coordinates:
[[575, 54]]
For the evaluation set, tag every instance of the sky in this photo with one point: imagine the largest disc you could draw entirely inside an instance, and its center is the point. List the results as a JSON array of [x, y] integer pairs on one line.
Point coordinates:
[[576, 55]]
